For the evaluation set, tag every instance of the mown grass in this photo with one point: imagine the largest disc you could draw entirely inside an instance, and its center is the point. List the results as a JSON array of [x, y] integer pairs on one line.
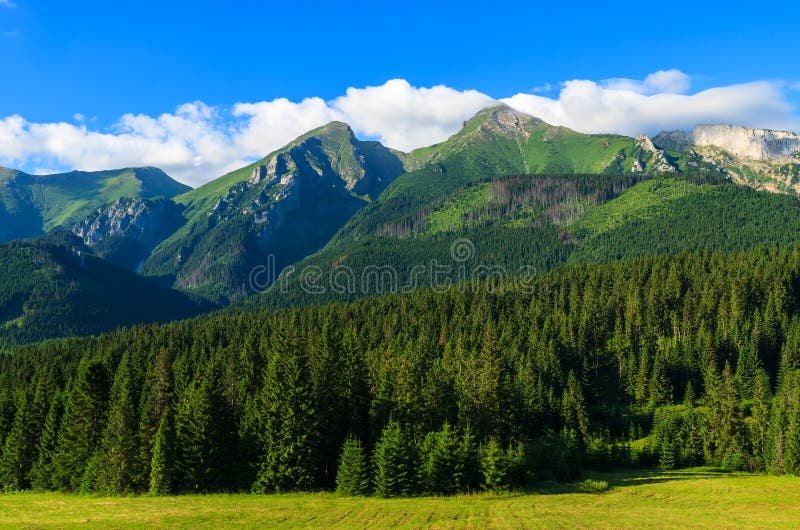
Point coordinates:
[[692, 498]]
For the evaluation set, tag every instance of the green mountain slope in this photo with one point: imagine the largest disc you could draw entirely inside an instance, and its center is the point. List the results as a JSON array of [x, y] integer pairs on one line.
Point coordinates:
[[639, 201], [31, 205], [54, 286], [287, 205], [501, 141]]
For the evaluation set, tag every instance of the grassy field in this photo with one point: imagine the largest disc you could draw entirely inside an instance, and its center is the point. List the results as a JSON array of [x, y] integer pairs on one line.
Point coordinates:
[[694, 498]]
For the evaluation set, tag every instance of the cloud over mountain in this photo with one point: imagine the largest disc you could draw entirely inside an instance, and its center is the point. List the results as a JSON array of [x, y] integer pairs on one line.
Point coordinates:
[[197, 142]]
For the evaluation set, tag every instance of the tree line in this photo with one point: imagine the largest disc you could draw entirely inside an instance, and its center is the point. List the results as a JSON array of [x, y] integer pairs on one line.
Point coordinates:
[[671, 361]]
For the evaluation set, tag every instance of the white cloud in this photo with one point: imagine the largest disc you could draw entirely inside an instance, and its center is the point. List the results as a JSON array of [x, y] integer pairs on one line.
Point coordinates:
[[8, 3], [591, 107], [197, 142], [406, 117], [669, 81]]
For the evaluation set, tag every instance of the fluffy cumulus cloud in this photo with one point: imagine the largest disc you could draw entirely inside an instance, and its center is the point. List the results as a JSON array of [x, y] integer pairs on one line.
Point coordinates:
[[406, 117], [592, 107], [197, 143]]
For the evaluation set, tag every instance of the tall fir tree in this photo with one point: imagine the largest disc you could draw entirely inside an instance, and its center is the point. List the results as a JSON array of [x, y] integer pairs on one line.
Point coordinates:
[[352, 476], [441, 462], [82, 426], [18, 450], [162, 479], [118, 461], [288, 432], [44, 468], [494, 466], [394, 463]]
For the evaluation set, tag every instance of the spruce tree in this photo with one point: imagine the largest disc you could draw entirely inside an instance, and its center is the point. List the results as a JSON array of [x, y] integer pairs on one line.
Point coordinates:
[[660, 389], [394, 463], [569, 455], [82, 426], [288, 434], [494, 466], [18, 449], [118, 459], [689, 397], [759, 414], [161, 466], [470, 461], [573, 409], [156, 398], [205, 435], [441, 462], [352, 477], [41, 475]]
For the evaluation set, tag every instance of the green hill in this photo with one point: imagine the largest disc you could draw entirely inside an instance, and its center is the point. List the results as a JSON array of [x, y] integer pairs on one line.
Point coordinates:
[[54, 286], [31, 205]]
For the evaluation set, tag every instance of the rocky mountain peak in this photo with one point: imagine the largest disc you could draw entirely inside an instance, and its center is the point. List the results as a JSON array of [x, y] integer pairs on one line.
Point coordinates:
[[742, 142], [507, 121], [646, 143]]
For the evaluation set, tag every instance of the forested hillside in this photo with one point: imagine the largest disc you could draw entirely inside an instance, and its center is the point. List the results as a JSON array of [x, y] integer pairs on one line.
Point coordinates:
[[670, 361], [54, 286], [534, 223]]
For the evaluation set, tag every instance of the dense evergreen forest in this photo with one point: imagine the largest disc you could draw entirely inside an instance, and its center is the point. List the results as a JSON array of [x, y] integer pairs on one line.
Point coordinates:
[[540, 222], [54, 286], [669, 361]]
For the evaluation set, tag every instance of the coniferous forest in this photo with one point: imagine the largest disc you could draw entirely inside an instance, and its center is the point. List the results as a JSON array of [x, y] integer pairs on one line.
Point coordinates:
[[664, 362]]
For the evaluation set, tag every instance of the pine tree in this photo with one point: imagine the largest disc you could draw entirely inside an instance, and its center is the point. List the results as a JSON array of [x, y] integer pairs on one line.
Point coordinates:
[[470, 461], [573, 409], [394, 463], [18, 449], [156, 398], [118, 459], [759, 424], [747, 366], [660, 389], [82, 426], [441, 462], [288, 431], [44, 468], [205, 435], [689, 397], [352, 477], [494, 466], [161, 466]]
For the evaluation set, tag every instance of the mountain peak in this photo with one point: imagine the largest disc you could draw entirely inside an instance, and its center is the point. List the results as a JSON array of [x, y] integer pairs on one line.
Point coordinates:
[[742, 142], [336, 131], [749, 143], [501, 120]]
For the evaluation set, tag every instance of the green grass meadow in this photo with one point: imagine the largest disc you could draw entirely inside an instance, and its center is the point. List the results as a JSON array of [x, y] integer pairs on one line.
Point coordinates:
[[690, 498]]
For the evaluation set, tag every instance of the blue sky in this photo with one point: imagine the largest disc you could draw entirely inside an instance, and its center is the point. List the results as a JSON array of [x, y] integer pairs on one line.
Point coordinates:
[[105, 60]]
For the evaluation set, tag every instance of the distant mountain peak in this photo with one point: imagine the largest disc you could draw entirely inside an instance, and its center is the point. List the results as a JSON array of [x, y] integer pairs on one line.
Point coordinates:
[[742, 142]]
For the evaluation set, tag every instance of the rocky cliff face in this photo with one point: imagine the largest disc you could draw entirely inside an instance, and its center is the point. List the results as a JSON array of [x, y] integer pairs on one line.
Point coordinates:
[[127, 230], [285, 207], [741, 142], [753, 144], [763, 159]]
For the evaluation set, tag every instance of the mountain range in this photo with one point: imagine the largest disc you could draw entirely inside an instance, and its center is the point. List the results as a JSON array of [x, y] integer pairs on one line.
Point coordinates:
[[525, 193]]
